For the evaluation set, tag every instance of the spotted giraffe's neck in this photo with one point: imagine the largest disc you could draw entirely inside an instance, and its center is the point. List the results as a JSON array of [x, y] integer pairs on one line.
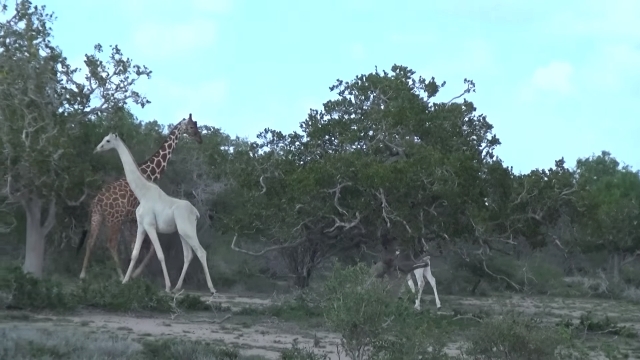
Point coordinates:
[[154, 166]]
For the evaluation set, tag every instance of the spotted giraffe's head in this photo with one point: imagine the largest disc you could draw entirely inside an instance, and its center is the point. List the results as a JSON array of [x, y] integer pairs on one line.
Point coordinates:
[[190, 128]]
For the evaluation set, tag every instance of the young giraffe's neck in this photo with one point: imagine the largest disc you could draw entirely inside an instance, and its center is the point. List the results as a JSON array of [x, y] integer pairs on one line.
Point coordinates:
[[154, 166]]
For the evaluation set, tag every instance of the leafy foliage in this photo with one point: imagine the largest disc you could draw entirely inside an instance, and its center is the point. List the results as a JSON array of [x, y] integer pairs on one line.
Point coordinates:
[[610, 202], [384, 160], [372, 324]]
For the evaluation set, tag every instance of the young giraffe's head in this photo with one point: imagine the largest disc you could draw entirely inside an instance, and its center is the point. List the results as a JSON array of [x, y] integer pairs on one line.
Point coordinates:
[[109, 142]]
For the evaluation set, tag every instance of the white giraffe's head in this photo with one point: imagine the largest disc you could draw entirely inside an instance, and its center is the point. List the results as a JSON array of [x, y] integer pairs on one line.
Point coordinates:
[[109, 142]]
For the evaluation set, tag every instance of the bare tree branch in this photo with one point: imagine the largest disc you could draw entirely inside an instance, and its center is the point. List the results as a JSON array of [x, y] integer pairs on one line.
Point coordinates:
[[345, 225], [631, 258], [269, 249], [484, 264], [79, 201], [337, 196]]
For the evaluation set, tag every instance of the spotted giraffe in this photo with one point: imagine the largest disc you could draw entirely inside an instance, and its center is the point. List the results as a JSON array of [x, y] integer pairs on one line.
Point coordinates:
[[116, 203]]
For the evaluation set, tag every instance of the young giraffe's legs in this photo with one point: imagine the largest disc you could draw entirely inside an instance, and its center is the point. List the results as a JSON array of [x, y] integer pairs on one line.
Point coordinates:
[[112, 243], [96, 221], [432, 281]]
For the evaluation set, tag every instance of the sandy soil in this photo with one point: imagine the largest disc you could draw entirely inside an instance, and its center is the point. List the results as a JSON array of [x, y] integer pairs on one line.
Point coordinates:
[[267, 337]]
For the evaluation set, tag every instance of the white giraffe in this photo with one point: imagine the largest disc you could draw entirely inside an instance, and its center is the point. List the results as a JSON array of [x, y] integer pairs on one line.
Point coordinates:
[[421, 274], [158, 212]]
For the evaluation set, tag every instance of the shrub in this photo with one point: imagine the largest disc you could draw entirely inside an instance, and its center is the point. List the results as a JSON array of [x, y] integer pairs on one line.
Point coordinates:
[[298, 353], [24, 291], [170, 349], [373, 324], [62, 343], [514, 336]]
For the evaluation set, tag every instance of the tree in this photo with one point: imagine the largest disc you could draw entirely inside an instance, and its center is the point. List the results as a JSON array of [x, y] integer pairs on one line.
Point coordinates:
[[610, 204], [42, 111], [381, 156]]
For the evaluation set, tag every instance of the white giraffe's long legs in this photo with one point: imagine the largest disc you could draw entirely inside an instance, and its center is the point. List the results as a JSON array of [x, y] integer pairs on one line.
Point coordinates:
[[421, 275]]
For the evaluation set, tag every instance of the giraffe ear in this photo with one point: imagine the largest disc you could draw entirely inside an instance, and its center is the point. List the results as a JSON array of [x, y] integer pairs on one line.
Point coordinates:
[[115, 135]]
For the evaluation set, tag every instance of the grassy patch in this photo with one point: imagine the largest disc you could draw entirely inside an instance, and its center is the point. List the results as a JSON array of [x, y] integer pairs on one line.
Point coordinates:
[[61, 343], [297, 310], [170, 349], [25, 292]]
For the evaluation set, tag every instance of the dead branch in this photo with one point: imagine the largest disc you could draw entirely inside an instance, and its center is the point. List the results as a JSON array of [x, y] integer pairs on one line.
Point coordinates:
[[269, 249], [484, 264], [337, 196], [520, 197], [343, 224], [264, 187], [11, 193], [466, 317], [471, 87], [79, 201], [566, 192], [387, 212], [631, 258]]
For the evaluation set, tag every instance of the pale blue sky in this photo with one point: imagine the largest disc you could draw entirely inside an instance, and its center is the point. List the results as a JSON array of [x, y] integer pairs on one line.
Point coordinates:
[[555, 80]]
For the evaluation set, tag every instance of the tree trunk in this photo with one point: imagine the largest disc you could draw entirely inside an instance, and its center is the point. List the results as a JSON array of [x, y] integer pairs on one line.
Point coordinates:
[[616, 267], [302, 280], [36, 233]]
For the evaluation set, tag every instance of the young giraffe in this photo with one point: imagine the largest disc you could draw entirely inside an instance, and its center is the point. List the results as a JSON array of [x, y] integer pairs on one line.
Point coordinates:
[[116, 203]]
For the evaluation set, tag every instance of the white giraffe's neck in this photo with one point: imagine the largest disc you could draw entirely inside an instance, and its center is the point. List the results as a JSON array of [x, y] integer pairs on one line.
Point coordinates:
[[138, 183]]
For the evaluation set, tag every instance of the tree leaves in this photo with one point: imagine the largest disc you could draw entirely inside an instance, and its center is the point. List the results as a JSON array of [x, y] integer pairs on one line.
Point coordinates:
[[44, 107]]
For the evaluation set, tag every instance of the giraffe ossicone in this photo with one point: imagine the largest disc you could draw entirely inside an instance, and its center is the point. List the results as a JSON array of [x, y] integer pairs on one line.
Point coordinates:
[[116, 203], [159, 213]]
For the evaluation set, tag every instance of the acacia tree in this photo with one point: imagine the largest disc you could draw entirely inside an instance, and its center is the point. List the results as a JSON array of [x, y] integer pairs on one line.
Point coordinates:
[[43, 106], [382, 156], [610, 204]]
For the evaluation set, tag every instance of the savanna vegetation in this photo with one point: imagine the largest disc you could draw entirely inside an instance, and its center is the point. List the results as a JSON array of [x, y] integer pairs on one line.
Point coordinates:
[[540, 265]]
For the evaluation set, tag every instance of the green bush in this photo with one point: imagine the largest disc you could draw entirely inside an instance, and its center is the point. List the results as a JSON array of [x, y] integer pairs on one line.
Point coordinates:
[[135, 295], [514, 336], [63, 343], [171, 349], [298, 353], [373, 324], [24, 291], [591, 324], [630, 275], [298, 309]]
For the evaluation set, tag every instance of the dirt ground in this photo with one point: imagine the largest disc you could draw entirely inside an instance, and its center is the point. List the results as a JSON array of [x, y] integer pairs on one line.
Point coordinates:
[[265, 337]]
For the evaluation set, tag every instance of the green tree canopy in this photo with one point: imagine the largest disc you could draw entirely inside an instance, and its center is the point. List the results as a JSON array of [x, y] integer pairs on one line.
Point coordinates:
[[383, 160], [43, 108]]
